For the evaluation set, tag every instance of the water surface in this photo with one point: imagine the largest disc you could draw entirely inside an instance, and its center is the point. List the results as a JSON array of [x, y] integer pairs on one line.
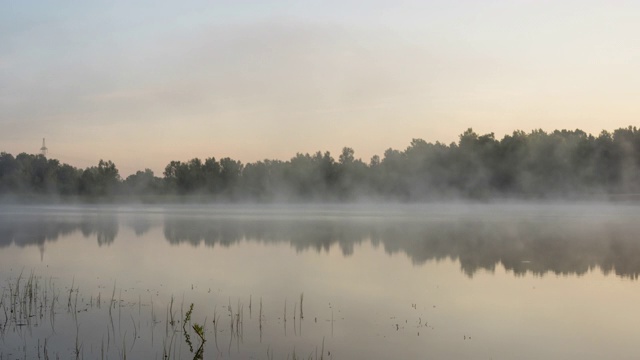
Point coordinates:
[[439, 281]]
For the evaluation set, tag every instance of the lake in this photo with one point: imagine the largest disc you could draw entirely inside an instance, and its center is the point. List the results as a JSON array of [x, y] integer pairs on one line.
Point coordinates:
[[481, 281]]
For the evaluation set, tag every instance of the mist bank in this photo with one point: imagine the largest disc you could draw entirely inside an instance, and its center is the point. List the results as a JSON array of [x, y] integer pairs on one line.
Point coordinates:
[[524, 239], [563, 164]]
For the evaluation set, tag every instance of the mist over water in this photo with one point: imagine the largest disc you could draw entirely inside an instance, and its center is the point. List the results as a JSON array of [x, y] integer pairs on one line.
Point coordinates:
[[445, 280], [562, 239], [563, 164]]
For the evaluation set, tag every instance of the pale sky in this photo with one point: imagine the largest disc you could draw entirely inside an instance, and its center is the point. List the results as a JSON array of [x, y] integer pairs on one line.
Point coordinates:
[[145, 82]]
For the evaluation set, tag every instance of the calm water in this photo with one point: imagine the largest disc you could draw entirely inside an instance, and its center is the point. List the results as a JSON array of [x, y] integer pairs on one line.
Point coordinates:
[[373, 282]]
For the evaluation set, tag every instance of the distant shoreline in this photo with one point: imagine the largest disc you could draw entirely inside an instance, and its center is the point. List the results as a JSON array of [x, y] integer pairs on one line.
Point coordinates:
[[566, 165]]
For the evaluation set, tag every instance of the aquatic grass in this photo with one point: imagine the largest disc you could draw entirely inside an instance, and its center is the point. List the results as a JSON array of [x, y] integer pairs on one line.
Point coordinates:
[[28, 302], [78, 345], [25, 305], [70, 294], [301, 299], [135, 333], [172, 322], [166, 352], [215, 327], [120, 310], [260, 318], [187, 319], [153, 313]]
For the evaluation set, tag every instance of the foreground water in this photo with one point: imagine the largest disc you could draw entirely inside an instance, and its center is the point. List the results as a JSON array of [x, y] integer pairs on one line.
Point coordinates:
[[331, 282]]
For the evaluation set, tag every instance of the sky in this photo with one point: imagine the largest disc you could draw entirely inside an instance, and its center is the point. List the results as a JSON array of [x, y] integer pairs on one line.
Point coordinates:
[[142, 83]]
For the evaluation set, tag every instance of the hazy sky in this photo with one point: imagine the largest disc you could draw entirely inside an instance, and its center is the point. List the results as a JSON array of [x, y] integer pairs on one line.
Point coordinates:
[[146, 82]]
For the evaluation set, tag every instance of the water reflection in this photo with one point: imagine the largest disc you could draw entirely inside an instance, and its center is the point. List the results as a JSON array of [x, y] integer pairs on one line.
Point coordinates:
[[521, 245], [21, 230]]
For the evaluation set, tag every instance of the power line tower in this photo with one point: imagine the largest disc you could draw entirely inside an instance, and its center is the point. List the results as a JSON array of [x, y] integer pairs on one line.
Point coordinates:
[[43, 149]]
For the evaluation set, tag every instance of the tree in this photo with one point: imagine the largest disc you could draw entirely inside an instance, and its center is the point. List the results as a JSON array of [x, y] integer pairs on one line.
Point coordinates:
[[101, 180], [143, 183], [67, 180], [8, 173], [563, 163], [230, 171], [212, 179]]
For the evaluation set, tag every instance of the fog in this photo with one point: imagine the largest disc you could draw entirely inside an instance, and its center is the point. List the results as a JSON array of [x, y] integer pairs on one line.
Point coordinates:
[[564, 164], [524, 238]]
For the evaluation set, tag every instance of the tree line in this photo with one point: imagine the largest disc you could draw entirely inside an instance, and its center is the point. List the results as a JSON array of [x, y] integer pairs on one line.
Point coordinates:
[[539, 164]]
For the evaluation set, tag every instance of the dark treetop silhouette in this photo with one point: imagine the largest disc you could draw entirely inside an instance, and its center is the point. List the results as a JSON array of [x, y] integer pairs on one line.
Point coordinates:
[[567, 164]]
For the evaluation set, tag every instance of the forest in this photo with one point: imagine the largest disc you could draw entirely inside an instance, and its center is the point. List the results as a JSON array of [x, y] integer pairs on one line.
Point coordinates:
[[563, 164]]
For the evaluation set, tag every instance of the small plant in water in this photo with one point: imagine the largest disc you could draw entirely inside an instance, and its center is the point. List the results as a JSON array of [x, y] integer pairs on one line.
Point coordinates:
[[198, 329]]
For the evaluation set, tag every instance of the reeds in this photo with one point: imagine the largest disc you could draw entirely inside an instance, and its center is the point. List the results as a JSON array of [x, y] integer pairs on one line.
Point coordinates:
[[28, 302]]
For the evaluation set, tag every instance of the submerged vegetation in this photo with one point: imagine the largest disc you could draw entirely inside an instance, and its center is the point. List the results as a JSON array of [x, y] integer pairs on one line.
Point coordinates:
[[535, 165], [39, 319]]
